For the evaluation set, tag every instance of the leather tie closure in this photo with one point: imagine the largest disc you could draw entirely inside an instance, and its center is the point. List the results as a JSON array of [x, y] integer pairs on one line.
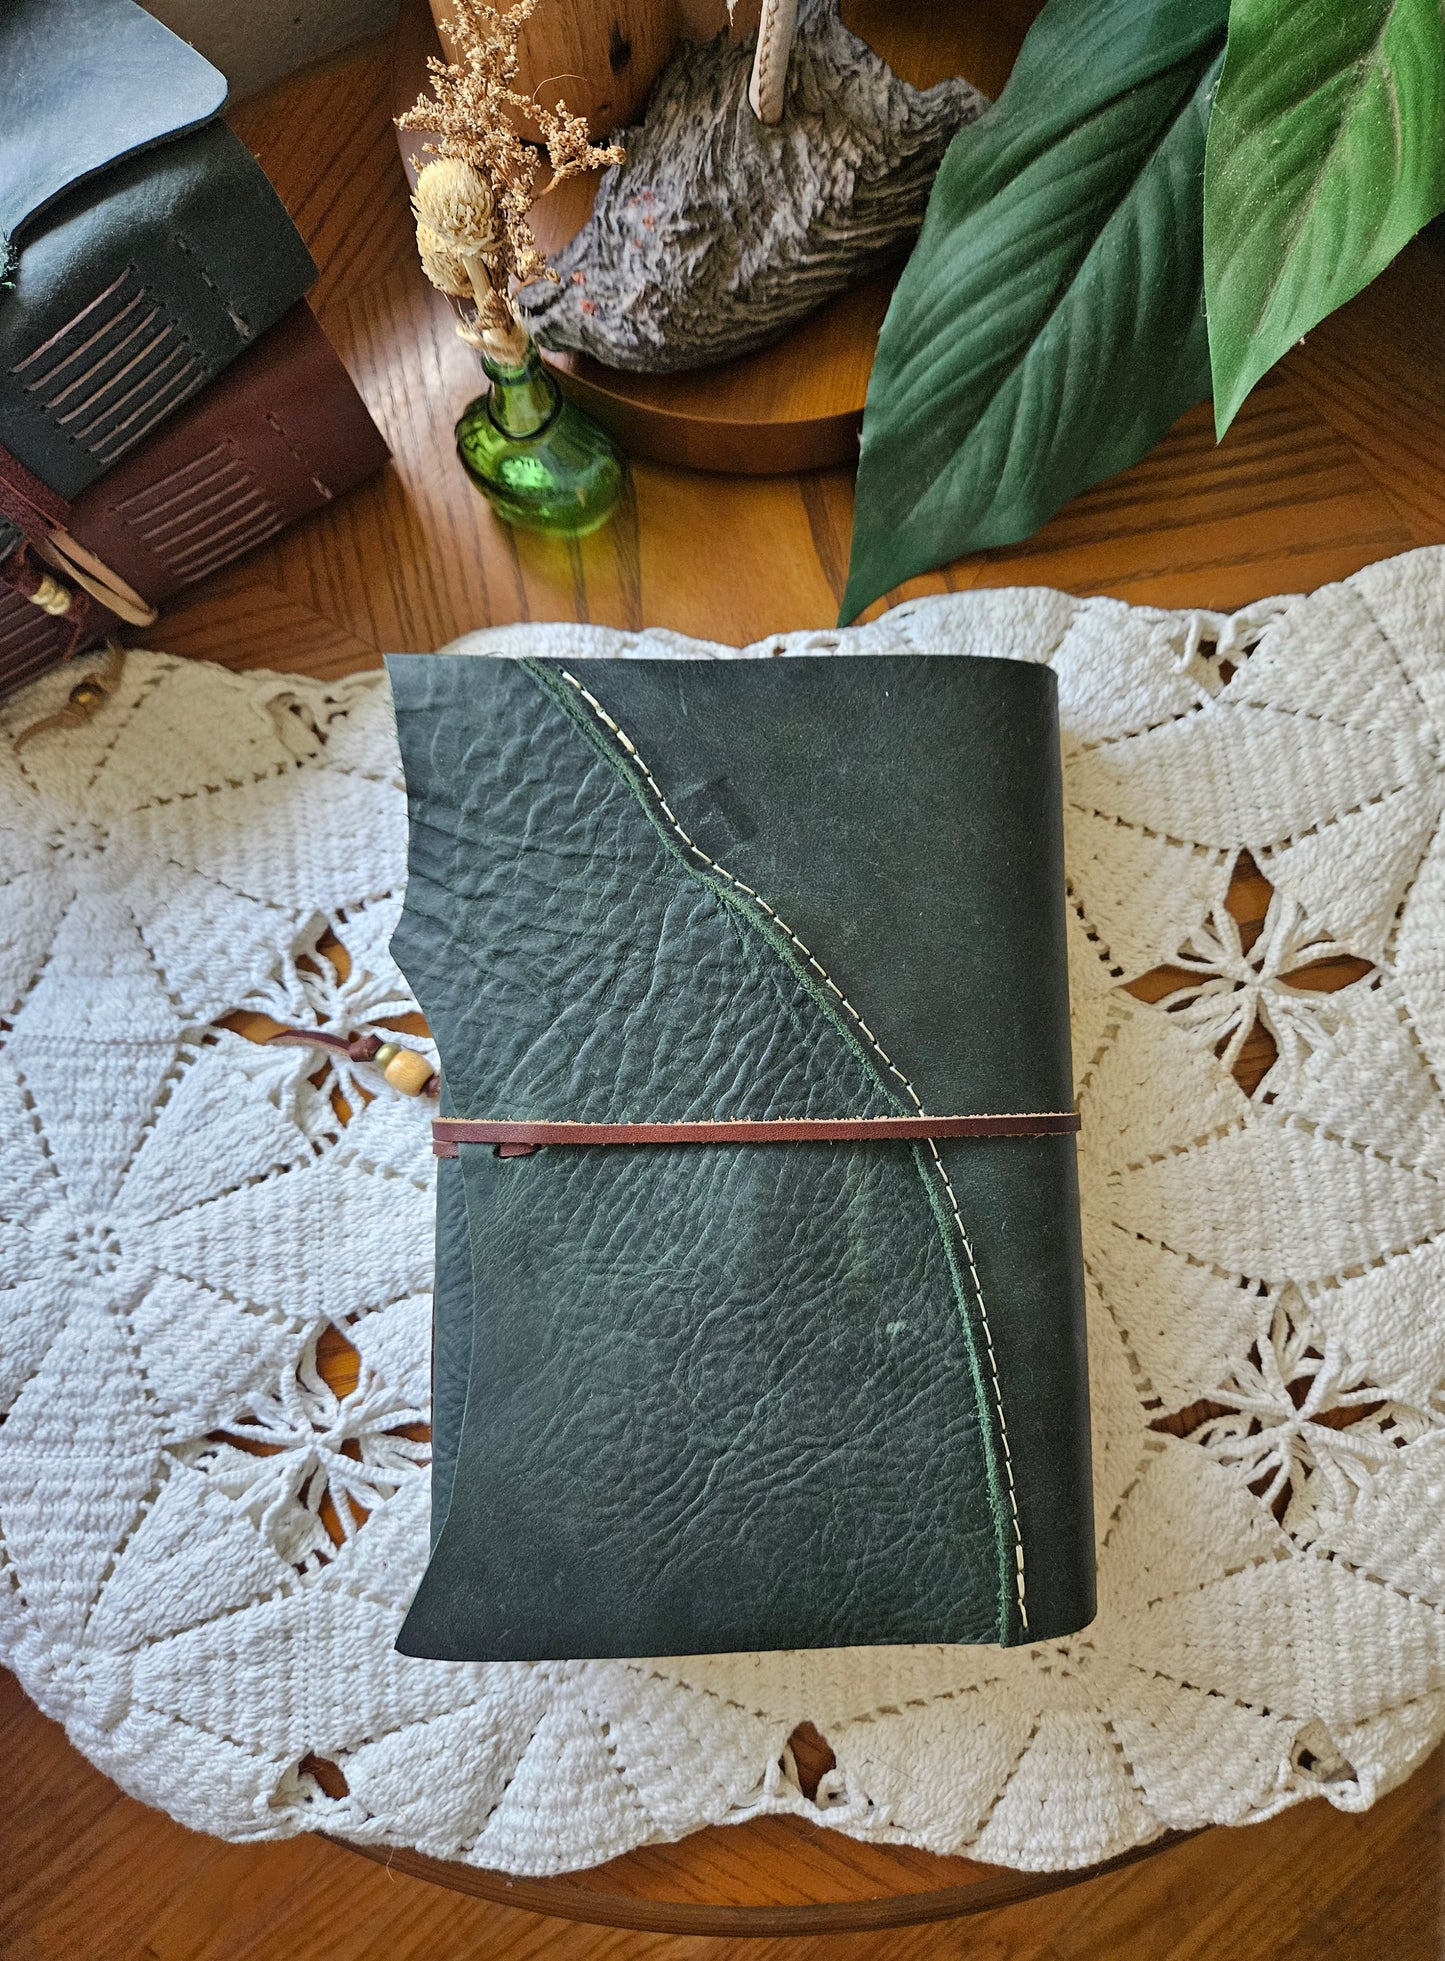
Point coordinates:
[[522, 1139], [86, 583]]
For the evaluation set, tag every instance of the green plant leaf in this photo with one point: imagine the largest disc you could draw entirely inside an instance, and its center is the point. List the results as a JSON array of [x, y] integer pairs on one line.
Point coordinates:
[[1050, 324], [1326, 154]]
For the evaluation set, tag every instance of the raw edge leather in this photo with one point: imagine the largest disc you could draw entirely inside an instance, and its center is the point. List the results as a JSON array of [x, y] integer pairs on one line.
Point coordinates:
[[84, 83], [809, 1488]]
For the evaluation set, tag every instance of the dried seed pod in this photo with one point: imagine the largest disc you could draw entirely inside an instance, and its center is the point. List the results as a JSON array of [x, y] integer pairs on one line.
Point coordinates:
[[478, 191], [455, 201], [442, 263]]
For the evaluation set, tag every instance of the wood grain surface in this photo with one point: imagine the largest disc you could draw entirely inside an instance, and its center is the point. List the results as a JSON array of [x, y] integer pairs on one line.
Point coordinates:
[[1333, 463], [87, 1874]]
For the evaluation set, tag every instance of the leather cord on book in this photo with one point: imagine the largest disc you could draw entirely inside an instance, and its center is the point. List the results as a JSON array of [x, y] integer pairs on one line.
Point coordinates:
[[41, 516], [407, 1070], [82, 568], [517, 1139], [84, 699]]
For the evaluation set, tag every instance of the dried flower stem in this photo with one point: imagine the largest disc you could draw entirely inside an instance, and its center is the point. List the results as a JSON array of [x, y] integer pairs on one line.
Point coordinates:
[[507, 342], [472, 204]]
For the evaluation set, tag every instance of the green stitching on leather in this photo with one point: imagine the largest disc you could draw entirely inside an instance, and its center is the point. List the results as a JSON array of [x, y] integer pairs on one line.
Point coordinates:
[[990, 1457], [566, 699]]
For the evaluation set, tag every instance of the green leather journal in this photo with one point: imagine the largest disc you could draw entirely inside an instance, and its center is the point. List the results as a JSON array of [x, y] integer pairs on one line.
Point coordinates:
[[780, 1344], [141, 247]]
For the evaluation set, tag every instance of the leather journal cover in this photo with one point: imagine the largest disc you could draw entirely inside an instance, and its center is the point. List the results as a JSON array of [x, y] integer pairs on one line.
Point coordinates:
[[281, 433], [141, 247], [786, 1349]]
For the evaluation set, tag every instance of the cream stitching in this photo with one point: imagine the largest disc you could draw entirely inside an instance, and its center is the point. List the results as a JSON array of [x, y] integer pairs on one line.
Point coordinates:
[[722, 872], [993, 1372]]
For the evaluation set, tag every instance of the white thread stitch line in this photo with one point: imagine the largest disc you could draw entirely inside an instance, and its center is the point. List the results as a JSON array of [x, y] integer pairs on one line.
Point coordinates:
[[722, 872]]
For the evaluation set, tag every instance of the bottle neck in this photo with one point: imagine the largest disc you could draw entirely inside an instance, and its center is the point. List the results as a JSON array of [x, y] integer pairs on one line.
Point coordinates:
[[524, 399]]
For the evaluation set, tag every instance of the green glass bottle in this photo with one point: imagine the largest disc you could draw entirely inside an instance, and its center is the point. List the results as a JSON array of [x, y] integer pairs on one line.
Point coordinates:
[[542, 463]]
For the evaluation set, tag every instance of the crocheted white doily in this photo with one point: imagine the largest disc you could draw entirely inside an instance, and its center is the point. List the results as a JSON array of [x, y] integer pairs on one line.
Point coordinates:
[[185, 1213]]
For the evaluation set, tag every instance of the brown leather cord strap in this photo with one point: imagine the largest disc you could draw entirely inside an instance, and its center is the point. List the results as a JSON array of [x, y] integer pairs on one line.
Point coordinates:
[[405, 1068], [22, 574], [359, 1048], [85, 699], [521, 1139]]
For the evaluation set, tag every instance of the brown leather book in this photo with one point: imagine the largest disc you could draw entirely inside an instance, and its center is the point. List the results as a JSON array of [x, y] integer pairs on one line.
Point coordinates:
[[281, 433]]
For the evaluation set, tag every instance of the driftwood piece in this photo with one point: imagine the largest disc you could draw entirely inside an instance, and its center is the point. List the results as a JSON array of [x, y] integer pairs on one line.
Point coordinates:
[[720, 231]]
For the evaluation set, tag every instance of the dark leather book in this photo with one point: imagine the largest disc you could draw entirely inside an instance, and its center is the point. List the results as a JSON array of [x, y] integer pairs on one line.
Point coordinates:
[[789, 1388], [281, 433], [141, 247]]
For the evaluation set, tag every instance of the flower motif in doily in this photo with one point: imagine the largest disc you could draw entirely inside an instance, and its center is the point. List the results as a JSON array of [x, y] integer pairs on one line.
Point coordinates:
[[338, 979], [78, 841], [1297, 1419], [173, 1234], [309, 1464], [90, 1248], [1234, 983], [213, 1308]]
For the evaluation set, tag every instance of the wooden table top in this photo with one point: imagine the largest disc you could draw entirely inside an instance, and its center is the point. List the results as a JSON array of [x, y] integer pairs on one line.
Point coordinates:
[[1333, 463]]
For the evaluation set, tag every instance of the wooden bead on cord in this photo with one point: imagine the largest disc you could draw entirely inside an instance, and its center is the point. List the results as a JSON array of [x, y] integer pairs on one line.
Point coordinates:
[[405, 1069]]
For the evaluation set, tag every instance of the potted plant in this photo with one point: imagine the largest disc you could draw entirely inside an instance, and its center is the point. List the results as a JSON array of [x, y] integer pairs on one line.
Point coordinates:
[[1167, 195]]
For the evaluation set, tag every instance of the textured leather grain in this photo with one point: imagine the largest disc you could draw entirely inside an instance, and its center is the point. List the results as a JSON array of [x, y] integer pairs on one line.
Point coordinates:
[[145, 249], [84, 83], [738, 1396]]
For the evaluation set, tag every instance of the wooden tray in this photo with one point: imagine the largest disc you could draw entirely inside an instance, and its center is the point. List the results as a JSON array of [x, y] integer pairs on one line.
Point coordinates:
[[799, 404]]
